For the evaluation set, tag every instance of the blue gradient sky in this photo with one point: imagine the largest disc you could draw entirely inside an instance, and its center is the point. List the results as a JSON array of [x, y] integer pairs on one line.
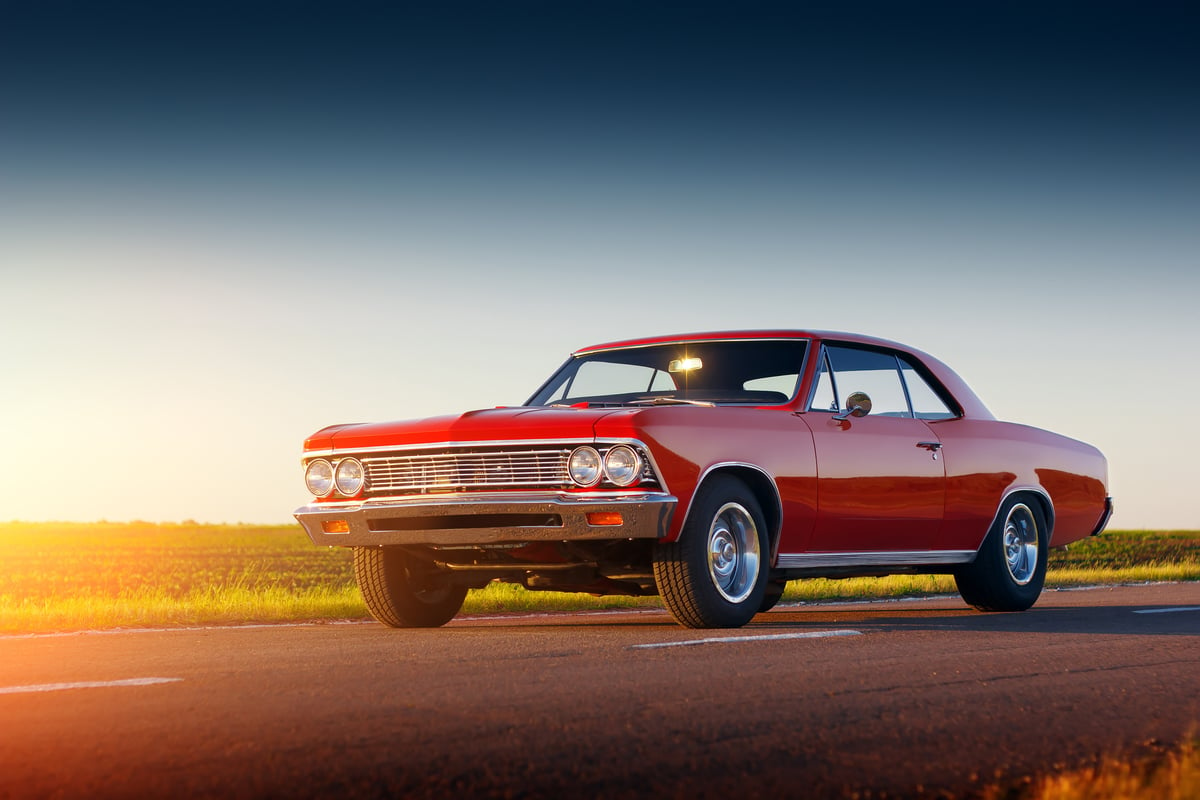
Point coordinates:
[[224, 227]]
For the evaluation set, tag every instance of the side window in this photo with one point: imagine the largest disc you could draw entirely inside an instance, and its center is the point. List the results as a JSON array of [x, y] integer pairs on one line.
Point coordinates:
[[873, 372], [926, 403], [823, 397]]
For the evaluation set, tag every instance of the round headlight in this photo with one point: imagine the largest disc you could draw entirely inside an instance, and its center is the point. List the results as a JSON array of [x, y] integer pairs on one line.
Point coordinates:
[[584, 466], [349, 476], [623, 465], [319, 477]]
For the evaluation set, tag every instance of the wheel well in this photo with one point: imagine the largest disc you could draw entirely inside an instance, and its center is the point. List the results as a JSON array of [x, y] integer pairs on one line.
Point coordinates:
[[1043, 504], [765, 492]]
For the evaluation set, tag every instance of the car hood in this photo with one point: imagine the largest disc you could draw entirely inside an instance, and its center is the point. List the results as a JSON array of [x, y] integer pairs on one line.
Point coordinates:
[[489, 425]]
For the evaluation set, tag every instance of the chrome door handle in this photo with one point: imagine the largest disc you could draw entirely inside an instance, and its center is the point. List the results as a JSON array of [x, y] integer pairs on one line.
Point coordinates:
[[932, 447]]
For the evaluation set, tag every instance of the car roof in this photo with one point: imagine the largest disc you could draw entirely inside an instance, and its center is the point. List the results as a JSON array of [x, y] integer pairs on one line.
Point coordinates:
[[742, 334]]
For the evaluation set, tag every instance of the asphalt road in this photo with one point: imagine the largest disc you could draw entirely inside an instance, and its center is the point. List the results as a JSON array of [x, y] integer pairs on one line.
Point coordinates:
[[916, 698]]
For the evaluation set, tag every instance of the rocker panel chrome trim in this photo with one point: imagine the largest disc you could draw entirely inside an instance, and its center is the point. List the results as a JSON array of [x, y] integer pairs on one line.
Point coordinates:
[[890, 558]]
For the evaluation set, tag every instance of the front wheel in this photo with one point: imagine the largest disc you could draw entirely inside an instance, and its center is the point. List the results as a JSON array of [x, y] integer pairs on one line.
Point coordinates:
[[1010, 569], [400, 593], [773, 595], [715, 575]]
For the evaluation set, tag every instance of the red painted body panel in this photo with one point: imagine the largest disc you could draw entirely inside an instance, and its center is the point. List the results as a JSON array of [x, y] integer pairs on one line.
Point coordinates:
[[689, 442], [987, 460], [878, 490], [486, 425], [863, 485]]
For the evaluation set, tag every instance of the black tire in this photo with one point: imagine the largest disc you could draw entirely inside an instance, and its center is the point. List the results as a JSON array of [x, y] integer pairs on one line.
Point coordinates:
[[771, 596], [401, 594], [715, 575], [1010, 569]]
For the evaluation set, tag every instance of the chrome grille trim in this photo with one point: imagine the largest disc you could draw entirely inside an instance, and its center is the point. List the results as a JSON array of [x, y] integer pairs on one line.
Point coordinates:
[[467, 470], [537, 464]]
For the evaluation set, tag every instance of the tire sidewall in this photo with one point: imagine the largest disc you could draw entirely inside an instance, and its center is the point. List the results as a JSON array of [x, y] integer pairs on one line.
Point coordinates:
[[989, 585], [1025, 594], [712, 496], [393, 595]]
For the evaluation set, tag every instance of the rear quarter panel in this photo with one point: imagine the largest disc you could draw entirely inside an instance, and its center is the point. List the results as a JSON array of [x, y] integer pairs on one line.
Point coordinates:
[[986, 460]]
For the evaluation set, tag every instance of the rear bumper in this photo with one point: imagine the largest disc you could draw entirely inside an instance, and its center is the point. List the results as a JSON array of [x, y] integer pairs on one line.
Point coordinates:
[[1103, 523], [480, 519]]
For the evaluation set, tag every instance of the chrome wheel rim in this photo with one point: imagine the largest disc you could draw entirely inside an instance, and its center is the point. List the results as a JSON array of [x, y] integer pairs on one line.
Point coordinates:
[[1021, 544], [733, 553]]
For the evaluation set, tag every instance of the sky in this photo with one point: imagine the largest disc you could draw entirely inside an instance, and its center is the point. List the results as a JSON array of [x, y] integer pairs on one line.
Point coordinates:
[[226, 225]]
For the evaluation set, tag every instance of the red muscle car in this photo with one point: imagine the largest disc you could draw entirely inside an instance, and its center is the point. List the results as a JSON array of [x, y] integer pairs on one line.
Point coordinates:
[[709, 469]]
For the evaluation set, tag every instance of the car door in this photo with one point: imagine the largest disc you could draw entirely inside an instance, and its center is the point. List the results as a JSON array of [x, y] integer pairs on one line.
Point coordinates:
[[881, 486]]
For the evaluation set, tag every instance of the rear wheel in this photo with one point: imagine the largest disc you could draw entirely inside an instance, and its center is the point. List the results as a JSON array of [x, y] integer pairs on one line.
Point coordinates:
[[1010, 569], [402, 592], [715, 575]]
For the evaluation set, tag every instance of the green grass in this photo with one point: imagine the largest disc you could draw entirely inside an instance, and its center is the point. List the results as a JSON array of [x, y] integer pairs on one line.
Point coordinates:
[[73, 576]]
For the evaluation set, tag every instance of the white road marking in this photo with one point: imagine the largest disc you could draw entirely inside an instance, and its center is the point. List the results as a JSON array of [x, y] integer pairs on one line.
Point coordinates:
[[60, 687], [732, 639], [1167, 610], [499, 616]]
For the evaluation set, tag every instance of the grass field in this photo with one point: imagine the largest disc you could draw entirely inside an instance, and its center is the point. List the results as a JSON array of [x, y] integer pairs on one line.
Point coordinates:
[[72, 576]]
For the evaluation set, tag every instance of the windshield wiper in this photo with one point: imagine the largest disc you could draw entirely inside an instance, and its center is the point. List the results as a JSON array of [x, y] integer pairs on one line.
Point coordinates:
[[669, 401]]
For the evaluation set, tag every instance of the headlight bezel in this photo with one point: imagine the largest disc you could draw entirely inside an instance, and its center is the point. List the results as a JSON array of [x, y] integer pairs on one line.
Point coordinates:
[[351, 471], [627, 474], [310, 477], [592, 472]]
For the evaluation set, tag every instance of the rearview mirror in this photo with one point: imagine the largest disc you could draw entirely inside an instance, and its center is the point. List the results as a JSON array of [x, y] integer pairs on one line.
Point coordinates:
[[858, 404]]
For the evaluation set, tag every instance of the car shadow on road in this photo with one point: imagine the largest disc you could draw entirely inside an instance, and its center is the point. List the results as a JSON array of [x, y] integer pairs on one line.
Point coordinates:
[[1097, 620]]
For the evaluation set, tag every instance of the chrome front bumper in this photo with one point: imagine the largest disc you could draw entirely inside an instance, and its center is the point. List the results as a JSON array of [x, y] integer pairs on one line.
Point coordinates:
[[470, 519]]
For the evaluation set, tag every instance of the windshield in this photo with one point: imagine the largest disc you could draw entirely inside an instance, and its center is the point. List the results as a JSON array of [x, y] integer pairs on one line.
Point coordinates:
[[754, 372]]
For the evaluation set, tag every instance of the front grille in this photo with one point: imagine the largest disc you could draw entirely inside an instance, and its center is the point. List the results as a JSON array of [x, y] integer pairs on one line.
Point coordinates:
[[467, 470]]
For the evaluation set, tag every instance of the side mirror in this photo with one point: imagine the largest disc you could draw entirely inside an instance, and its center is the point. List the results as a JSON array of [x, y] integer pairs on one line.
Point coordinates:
[[857, 405]]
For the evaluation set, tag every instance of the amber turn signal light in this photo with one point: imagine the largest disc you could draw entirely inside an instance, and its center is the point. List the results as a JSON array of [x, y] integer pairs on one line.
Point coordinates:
[[605, 518], [335, 526]]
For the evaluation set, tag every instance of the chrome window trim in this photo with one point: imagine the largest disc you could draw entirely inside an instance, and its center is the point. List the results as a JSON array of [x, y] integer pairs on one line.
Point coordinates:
[[823, 358], [895, 355], [588, 352], [904, 385], [882, 558], [933, 384]]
